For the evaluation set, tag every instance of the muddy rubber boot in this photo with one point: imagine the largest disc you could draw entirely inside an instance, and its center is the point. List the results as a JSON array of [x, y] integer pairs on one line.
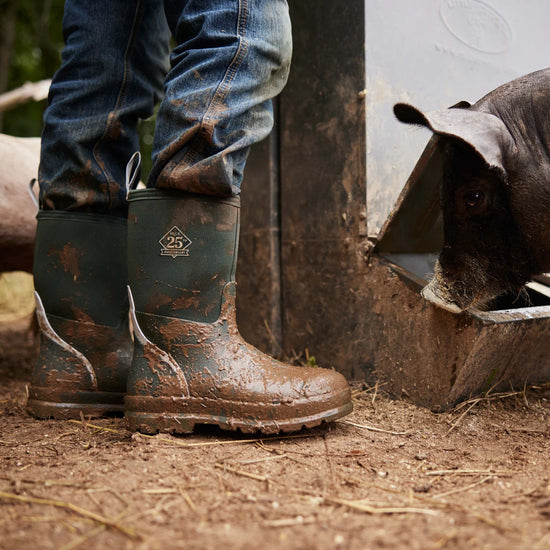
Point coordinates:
[[190, 364], [86, 348]]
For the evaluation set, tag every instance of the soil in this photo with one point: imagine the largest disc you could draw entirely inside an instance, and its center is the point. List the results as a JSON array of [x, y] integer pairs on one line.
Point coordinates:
[[391, 475]]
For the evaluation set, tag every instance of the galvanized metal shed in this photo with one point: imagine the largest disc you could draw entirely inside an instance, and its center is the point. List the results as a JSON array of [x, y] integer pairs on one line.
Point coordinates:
[[337, 239]]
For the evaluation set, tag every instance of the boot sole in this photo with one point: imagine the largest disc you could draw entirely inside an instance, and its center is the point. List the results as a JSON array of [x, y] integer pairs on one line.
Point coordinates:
[[143, 415], [70, 405]]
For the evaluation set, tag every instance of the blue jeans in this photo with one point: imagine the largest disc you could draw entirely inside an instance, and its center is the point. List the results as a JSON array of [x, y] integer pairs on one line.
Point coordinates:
[[230, 58]]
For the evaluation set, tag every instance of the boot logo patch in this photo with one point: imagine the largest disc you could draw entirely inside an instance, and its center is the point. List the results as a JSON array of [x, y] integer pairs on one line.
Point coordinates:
[[175, 243]]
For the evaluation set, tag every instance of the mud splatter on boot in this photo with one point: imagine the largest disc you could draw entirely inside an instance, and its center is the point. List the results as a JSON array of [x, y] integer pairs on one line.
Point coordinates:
[[82, 310], [190, 365]]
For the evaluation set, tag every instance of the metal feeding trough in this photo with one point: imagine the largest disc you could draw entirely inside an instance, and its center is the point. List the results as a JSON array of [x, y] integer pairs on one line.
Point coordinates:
[[432, 356]]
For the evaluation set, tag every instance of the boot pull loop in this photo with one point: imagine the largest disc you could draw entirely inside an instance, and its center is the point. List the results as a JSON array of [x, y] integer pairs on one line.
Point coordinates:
[[133, 169], [32, 194]]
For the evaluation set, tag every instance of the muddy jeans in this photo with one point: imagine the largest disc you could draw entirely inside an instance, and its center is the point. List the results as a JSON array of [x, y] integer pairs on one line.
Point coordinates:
[[230, 58]]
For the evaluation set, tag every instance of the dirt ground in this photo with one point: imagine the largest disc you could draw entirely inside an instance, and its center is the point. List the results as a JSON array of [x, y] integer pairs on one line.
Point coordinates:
[[391, 475]]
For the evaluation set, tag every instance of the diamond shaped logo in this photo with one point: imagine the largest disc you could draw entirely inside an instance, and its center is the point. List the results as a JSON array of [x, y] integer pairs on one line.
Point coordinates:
[[175, 243]]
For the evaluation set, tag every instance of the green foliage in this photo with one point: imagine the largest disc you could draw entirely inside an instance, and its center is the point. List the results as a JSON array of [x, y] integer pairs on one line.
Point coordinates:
[[33, 54], [310, 360]]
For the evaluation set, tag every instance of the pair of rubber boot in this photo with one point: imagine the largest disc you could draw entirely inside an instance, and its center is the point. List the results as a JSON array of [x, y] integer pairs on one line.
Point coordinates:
[[185, 362]]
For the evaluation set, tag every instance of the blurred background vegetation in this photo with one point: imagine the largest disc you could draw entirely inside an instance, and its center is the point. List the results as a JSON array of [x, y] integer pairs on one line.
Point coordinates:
[[31, 41], [30, 50]]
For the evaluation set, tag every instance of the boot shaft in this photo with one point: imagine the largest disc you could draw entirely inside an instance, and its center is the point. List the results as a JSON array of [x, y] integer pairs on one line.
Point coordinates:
[[182, 252], [80, 268], [80, 276]]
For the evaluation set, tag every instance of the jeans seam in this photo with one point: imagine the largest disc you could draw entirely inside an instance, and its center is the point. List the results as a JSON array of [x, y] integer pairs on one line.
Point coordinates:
[[121, 96], [223, 89]]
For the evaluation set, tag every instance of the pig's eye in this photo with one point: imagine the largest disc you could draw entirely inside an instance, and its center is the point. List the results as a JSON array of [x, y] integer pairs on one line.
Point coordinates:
[[473, 198]]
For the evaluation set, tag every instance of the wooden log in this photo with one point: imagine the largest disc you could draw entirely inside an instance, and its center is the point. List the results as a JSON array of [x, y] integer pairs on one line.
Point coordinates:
[[30, 91], [19, 158]]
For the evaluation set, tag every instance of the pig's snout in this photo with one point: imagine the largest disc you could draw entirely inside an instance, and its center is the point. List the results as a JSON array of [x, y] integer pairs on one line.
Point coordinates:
[[434, 293]]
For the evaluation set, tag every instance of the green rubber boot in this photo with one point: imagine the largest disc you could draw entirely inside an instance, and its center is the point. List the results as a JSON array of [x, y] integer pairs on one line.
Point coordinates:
[[190, 364], [86, 348]]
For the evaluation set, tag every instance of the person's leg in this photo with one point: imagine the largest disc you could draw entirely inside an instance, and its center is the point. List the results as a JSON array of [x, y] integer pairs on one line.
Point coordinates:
[[231, 58], [112, 70], [190, 364]]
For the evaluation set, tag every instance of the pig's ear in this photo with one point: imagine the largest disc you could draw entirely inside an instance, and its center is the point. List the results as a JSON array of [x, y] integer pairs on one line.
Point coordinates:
[[484, 132]]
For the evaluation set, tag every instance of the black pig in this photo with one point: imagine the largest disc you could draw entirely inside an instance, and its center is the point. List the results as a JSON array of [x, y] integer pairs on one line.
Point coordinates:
[[495, 193]]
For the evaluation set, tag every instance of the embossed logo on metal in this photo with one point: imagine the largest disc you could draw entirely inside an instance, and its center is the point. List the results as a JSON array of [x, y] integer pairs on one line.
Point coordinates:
[[175, 243], [477, 25]]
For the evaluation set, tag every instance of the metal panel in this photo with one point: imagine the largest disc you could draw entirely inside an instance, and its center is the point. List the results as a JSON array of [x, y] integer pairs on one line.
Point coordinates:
[[434, 53], [415, 225]]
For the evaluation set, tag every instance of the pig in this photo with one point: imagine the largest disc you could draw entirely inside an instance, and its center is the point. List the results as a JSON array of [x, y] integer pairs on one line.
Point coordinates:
[[495, 192]]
